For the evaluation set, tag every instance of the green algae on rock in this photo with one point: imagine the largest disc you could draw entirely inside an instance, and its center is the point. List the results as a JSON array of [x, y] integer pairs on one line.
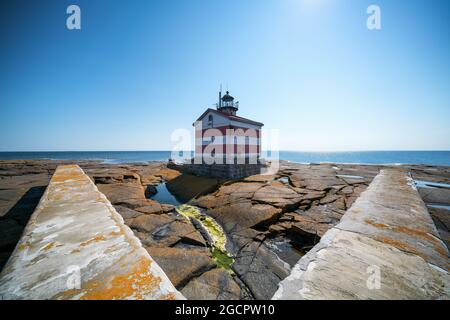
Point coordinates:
[[215, 231]]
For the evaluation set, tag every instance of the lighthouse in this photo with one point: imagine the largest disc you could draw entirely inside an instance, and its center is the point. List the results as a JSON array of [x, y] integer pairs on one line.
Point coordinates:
[[226, 145]]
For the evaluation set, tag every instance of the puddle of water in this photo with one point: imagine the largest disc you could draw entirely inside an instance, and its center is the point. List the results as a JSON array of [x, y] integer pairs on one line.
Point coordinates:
[[163, 195], [215, 232], [287, 250], [284, 180], [349, 176], [439, 206], [213, 229], [429, 184]]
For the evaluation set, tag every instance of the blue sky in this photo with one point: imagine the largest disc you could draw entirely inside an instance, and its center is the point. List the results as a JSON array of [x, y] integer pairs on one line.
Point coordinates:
[[137, 70]]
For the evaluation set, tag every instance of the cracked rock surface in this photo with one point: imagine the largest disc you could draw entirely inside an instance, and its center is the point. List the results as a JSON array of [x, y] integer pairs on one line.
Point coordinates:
[[385, 247], [271, 221]]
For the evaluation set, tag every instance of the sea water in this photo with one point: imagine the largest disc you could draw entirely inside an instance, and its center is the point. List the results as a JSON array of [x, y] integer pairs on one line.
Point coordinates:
[[357, 157]]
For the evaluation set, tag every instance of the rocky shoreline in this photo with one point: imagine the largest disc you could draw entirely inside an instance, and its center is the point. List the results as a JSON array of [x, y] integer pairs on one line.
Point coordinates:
[[270, 221]]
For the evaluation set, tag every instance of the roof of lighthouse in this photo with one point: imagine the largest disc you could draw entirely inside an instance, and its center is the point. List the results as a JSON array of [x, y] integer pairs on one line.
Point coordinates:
[[231, 117], [227, 97]]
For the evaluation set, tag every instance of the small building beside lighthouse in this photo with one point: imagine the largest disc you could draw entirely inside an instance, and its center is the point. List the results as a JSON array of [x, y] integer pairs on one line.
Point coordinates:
[[226, 145]]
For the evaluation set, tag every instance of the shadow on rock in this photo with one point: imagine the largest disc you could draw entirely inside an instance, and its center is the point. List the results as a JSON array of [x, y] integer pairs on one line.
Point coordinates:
[[187, 187], [15, 220]]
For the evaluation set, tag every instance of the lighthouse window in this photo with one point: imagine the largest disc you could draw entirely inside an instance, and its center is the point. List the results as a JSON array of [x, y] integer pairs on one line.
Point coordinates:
[[210, 120]]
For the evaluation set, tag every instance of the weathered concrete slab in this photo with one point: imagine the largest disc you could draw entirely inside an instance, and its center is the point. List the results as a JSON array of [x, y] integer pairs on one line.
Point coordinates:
[[76, 246], [385, 247]]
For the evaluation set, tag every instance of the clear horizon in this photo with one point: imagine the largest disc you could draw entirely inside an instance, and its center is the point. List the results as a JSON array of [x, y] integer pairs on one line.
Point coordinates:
[[264, 150], [136, 72], [435, 158]]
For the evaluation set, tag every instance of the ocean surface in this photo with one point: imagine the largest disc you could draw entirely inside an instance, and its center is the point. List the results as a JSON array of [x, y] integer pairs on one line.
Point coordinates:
[[362, 157]]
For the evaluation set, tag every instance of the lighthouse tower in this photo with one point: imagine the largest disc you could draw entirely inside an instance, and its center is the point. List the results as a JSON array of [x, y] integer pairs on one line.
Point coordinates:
[[227, 104]]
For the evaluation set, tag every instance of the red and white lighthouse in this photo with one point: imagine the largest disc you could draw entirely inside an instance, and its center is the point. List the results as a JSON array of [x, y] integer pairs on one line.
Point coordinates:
[[223, 137]]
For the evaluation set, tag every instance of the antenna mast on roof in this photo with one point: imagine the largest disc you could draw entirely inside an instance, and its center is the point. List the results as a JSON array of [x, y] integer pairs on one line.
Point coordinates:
[[220, 96]]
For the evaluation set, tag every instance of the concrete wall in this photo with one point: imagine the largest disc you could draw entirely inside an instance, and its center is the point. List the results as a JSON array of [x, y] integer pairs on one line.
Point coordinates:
[[76, 246], [385, 247]]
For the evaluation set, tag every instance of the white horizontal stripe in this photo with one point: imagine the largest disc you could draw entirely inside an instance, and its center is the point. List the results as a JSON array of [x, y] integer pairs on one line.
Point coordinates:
[[220, 140]]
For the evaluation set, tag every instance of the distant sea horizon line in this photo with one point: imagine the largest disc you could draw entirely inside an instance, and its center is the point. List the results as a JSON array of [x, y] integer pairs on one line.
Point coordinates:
[[285, 150], [381, 157]]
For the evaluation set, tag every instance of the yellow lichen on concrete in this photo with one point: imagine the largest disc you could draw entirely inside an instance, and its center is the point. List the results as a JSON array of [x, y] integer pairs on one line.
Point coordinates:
[[49, 246], [136, 284], [76, 246], [95, 239]]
